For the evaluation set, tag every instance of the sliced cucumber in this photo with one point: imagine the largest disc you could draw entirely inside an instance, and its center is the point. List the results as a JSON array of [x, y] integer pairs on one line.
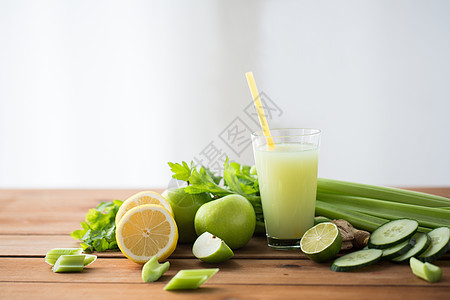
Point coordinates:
[[423, 240], [399, 249], [393, 233], [440, 244], [356, 260]]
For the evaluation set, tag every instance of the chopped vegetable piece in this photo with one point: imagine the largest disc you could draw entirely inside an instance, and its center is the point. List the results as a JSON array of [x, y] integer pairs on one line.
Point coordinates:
[[398, 249], [152, 270], [440, 244], [426, 270], [190, 279], [69, 263], [193, 272], [356, 260], [89, 259], [52, 255], [186, 282], [423, 240], [393, 233]]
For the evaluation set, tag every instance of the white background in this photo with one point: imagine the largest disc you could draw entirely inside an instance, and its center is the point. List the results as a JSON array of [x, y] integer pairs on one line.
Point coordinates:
[[105, 93]]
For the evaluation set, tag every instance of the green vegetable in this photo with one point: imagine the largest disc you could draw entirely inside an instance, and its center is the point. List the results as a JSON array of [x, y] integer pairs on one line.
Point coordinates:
[[393, 233], [440, 244], [99, 228], [399, 249], [152, 270], [356, 260], [89, 259], [430, 217], [423, 240], [189, 279], [426, 270], [379, 192], [69, 263], [52, 255], [237, 179]]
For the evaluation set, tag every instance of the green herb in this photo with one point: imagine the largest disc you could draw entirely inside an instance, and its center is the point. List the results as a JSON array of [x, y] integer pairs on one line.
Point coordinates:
[[237, 179], [99, 228]]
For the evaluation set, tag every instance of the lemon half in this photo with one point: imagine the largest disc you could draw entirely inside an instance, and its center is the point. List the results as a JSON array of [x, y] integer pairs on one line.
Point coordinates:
[[145, 231], [145, 197]]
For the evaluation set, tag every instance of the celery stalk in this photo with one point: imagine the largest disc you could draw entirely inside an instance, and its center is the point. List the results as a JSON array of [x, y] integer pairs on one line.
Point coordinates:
[[357, 219], [383, 193], [431, 217]]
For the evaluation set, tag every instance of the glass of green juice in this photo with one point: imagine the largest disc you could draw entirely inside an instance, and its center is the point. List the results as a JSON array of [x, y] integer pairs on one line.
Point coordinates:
[[287, 174]]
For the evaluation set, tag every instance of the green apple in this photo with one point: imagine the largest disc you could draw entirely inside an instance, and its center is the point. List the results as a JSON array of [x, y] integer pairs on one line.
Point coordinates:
[[184, 207], [211, 249], [232, 218]]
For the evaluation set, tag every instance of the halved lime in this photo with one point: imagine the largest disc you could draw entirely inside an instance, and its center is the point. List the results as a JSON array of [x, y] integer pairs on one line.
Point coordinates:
[[321, 242]]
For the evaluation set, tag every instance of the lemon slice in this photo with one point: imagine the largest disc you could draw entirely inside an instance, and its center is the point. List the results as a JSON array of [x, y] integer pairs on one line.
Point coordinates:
[[146, 197], [145, 231]]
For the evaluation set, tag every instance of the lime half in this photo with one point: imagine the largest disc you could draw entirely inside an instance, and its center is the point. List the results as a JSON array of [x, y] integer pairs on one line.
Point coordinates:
[[321, 242]]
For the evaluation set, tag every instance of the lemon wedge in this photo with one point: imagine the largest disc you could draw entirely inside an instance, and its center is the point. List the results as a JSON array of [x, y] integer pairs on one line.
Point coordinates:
[[145, 231], [145, 197]]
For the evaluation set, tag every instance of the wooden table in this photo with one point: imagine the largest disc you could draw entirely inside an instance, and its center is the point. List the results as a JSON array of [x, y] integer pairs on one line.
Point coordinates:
[[34, 221]]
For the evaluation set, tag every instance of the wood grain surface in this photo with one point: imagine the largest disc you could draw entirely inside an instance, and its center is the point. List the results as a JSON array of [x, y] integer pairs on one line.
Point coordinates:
[[34, 221]]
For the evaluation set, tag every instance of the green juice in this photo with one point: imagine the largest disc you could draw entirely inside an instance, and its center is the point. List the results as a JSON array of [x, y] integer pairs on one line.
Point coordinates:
[[287, 177]]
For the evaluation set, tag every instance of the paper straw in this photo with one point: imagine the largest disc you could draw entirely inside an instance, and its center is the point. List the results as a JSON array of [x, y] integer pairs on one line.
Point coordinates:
[[259, 108]]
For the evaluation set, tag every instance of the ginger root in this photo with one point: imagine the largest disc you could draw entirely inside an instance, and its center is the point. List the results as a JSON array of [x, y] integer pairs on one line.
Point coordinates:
[[351, 237]]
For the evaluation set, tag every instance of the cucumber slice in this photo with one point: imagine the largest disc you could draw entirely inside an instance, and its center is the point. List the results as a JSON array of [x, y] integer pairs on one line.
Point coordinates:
[[356, 260], [440, 244], [423, 240], [426, 270], [392, 233], [399, 249]]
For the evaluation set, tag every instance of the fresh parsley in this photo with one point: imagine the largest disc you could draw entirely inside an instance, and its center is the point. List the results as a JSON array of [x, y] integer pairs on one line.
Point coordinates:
[[99, 228]]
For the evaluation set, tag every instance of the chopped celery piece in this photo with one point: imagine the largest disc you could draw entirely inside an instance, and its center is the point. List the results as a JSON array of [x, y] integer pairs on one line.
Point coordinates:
[[186, 282], [190, 279], [194, 272], [380, 192], [89, 259], [69, 263], [53, 255], [426, 270], [152, 270]]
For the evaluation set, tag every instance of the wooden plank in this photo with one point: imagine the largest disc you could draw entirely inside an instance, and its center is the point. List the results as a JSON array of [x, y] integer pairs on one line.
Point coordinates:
[[15, 290], [50, 211], [236, 271], [38, 245]]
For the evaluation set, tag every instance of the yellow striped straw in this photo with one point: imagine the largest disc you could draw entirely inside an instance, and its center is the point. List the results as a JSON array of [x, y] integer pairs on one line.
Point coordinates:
[[259, 108]]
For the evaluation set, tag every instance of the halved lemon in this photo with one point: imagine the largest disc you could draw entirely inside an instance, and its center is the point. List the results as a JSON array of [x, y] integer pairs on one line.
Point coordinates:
[[145, 231], [145, 197]]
